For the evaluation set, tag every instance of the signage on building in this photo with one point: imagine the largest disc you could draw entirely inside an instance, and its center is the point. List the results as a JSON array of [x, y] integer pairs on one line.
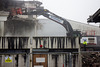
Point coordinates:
[[89, 40], [8, 59], [89, 33], [38, 66], [38, 60]]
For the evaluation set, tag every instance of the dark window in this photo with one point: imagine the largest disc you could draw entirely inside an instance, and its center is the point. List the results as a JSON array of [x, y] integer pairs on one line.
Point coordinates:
[[91, 40]]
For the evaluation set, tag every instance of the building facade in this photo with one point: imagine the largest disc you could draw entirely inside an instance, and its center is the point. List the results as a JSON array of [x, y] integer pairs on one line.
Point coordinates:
[[36, 43]]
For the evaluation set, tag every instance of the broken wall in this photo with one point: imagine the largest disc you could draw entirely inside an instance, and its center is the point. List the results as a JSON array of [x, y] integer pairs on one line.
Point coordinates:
[[27, 27], [19, 27]]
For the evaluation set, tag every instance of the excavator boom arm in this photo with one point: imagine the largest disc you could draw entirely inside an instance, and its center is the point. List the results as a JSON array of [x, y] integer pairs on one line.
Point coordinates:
[[46, 13]]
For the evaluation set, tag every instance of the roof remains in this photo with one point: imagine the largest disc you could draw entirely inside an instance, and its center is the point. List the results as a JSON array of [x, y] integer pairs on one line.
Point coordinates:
[[95, 17]]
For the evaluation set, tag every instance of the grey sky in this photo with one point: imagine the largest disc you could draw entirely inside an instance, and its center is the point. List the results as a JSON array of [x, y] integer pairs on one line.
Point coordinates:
[[77, 10]]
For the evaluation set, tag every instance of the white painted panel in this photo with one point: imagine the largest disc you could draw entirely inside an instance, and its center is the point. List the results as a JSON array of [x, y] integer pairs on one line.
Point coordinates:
[[86, 38], [38, 66], [3, 18], [40, 60]]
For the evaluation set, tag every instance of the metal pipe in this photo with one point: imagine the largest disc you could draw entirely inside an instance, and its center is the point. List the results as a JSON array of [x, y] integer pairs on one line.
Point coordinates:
[[70, 59]]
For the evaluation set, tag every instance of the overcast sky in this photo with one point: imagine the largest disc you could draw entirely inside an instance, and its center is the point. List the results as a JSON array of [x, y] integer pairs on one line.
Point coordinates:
[[77, 10]]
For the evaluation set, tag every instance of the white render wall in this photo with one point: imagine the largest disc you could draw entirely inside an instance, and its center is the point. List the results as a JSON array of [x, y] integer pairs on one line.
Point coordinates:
[[84, 27], [75, 25]]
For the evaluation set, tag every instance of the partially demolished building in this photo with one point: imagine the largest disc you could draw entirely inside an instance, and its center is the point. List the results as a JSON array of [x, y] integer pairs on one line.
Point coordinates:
[[26, 41]]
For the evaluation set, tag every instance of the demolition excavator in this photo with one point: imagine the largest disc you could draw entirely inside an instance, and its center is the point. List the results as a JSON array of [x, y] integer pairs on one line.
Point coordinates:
[[46, 13], [39, 10]]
